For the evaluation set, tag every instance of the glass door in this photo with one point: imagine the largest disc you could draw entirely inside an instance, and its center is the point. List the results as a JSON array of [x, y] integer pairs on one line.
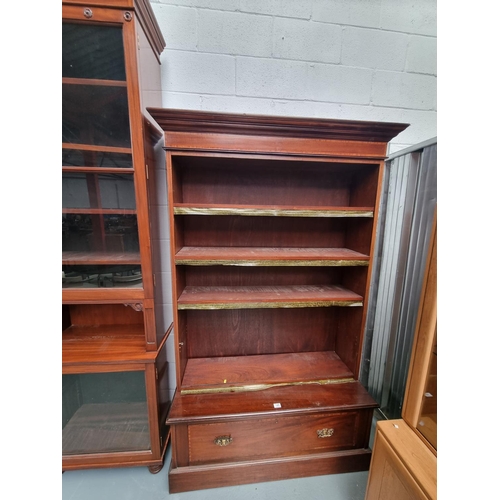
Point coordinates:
[[100, 240], [104, 413]]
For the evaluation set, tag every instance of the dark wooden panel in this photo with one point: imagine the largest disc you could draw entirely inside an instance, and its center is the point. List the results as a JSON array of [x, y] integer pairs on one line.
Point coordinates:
[[364, 186], [347, 344], [180, 446], [263, 182], [217, 475], [257, 275], [358, 235], [105, 314], [243, 332], [237, 231]]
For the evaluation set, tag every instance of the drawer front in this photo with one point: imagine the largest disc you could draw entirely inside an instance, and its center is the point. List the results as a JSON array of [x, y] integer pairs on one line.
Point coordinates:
[[276, 437]]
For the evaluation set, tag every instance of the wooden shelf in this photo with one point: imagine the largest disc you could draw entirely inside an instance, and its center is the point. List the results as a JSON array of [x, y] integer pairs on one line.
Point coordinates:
[[96, 148], [99, 211], [252, 297], [94, 81], [259, 256], [104, 258], [107, 427], [278, 211], [259, 372], [105, 344], [98, 170]]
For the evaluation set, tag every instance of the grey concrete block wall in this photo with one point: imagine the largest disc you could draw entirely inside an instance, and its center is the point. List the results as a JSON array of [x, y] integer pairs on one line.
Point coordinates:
[[349, 59]]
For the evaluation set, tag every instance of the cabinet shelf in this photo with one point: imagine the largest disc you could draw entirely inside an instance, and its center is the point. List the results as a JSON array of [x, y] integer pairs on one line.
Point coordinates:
[[94, 81], [97, 258], [259, 256], [252, 297], [278, 211], [259, 372], [88, 344], [99, 211], [96, 148]]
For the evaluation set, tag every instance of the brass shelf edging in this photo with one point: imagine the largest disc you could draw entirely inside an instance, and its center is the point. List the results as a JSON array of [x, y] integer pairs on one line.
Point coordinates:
[[277, 262], [262, 387], [272, 212], [268, 305]]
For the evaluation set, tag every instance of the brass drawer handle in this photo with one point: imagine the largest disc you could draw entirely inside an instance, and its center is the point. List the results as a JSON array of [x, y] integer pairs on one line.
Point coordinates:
[[324, 433], [223, 440]]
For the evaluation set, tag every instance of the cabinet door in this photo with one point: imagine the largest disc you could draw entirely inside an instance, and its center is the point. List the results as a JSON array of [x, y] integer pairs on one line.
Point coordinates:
[[402, 466], [100, 234], [104, 412], [389, 478]]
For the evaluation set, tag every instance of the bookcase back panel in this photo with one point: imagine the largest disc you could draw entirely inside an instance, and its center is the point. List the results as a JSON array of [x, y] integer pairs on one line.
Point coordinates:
[[347, 340], [358, 235], [100, 314], [355, 279], [243, 332], [272, 182], [234, 231], [255, 276]]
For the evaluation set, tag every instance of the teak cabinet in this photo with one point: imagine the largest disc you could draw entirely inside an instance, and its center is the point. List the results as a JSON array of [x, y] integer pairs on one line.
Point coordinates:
[[404, 463], [113, 345], [272, 229]]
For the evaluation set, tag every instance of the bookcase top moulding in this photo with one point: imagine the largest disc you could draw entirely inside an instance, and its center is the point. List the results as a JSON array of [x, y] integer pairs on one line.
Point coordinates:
[[320, 136]]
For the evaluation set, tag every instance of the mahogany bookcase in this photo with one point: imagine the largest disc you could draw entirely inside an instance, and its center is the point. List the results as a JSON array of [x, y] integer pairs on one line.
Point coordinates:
[[272, 224]]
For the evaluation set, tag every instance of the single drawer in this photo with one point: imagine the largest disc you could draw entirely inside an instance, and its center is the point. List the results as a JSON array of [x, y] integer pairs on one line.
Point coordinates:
[[277, 437]]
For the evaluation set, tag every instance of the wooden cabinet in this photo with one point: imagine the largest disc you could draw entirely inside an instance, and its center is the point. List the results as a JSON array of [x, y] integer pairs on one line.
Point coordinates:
[[402, 467], [113, 344], [404, 464], [272, 229]]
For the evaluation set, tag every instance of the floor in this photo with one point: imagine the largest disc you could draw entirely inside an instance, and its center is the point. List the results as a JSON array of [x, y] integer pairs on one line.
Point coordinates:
[[139, 484]]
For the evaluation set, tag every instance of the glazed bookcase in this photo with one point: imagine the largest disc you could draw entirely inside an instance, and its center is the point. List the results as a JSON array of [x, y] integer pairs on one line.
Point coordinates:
[[113, 344], [272, 229]]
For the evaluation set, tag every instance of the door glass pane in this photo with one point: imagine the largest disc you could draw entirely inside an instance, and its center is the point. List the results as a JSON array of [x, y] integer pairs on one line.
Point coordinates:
[[107, 191], [90, 51], [101, 276], [100, 233], [102, 159], [104, 412], [95, 114], [94, 92]]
